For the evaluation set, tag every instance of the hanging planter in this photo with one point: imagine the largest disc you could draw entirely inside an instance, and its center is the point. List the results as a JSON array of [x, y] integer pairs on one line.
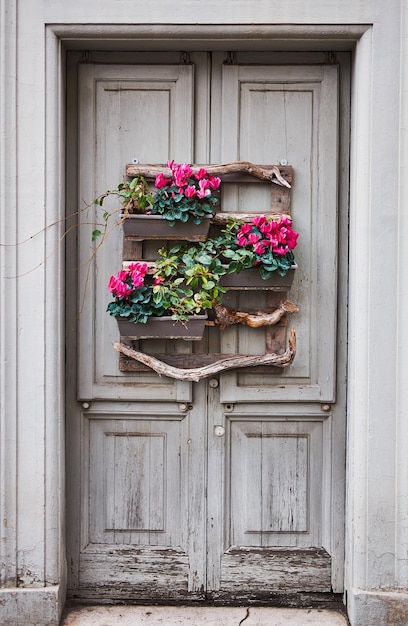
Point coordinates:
[[164, 328], [252, 280], [142, 227], [164, 309]]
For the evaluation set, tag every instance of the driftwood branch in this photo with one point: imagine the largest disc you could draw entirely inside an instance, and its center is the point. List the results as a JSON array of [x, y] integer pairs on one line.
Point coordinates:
[[270, 174], [196, 374], [224, 316]]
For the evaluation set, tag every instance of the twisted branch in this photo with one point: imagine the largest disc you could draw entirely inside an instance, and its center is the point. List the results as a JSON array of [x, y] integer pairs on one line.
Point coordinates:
[[196, 374], [270, 174], [224, 316]]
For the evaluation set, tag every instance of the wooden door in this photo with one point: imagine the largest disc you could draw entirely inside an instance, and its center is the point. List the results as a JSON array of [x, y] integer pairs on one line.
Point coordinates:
[[230, 488]]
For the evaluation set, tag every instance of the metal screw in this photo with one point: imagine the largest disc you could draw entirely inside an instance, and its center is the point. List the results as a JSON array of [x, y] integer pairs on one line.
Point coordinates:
[[283, 162], [135, 161]]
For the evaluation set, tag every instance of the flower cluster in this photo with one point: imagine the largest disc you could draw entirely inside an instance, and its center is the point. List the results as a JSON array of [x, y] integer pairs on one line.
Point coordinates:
[[180, 287], [264, 242], [186, 194], [135, 300], [263, 234], [122, 285]]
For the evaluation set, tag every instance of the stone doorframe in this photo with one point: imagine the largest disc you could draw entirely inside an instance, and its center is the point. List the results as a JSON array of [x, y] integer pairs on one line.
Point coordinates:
[[373, 544]]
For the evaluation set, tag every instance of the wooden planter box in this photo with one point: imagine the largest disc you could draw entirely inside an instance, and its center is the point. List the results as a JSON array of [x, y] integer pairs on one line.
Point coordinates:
[[164, 328], [140, 227], [251, 279]]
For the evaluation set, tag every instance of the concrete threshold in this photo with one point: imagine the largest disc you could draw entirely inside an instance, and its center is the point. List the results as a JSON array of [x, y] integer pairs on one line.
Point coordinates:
[[200, 616]]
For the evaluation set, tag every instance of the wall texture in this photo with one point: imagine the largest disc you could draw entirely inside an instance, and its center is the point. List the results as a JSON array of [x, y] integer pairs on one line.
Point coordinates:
[[33, 38]]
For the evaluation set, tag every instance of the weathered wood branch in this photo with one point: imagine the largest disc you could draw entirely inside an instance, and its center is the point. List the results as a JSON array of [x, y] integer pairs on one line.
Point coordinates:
[[271, 174], [224, 316], [196, 374]]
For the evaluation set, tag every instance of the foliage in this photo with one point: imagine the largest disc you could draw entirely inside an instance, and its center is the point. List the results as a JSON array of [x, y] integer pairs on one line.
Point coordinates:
[[186, 280], [179, 289], [133, 194], [186, 195]]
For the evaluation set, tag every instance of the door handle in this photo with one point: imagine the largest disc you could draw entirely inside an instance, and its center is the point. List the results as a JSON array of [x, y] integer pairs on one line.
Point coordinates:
[[219, 431]]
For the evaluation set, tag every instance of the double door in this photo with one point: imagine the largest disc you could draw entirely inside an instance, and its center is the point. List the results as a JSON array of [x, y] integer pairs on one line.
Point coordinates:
[[232, 487]]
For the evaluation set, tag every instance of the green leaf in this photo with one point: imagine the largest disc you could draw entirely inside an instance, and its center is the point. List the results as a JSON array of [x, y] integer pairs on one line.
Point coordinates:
[[95, 234]]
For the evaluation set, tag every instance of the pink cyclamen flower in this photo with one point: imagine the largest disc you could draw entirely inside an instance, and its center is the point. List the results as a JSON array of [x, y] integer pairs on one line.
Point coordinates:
[[112, 284], [186, 169], [180, 179], [266, 227], [202, 173], [190, 191], [158, 280], [161, 181], [259, 248], [259, 220], [140, 267], [123, 274], [245, 229], [214, 182], [118, 287], [203, 190], [253, 238], [137, 278]]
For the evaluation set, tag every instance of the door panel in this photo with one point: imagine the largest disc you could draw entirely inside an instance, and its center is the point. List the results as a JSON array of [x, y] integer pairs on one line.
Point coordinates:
[[136, 505], [137, 111], [290, 113], [166, 504]]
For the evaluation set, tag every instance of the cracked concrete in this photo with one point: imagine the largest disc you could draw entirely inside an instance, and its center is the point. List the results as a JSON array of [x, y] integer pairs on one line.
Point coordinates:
[[200, 616]]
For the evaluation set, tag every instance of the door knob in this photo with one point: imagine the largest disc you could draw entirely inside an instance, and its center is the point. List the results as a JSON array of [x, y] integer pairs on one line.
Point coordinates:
[[214, 383], [219, 431]]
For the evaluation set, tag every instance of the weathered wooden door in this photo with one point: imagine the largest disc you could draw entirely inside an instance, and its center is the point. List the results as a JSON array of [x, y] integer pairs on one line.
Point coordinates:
[[231, 487]]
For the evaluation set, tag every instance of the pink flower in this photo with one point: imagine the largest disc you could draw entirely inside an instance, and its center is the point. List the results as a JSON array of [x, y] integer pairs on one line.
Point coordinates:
[[253, 238], [112, 284], [259, 220], [123, 274], [118, 287], [137, 279], [186, 169], [266, 227], [158, 280], [161, 181], [190, 191], [245, 229], [242, 240], [202, 173], [123, 289], [203, 190], [259, 248], [170, 164], [180, 179], [214, 182], [281, 250]]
